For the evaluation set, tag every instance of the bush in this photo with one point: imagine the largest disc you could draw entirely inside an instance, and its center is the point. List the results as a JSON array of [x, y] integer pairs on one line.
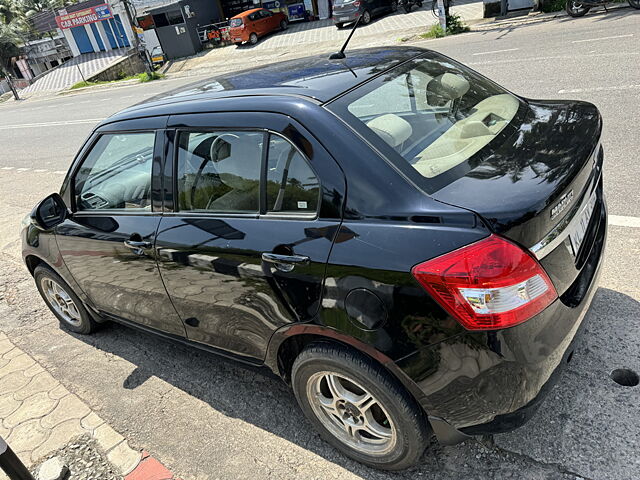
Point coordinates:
[[549, 6], [147, 77], [455, 25], [435, 31]]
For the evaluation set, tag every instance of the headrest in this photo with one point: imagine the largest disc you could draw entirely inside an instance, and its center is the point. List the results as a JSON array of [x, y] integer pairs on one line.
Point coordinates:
[[236, 158], [391, 128], [448, 86]]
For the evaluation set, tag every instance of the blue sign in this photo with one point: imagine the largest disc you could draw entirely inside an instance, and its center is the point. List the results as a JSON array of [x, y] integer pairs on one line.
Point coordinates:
[[271, 5], [103, 12], [296, 11]]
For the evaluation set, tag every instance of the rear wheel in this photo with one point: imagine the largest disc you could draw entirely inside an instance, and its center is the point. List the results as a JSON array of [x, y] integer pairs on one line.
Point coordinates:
[[358, 407], [339, 25], [63, 302], [575, 8], [366, 17], [253, 38]]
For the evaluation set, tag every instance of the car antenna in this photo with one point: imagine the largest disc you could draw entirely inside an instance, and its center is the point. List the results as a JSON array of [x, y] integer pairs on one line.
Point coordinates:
[[340, 55]]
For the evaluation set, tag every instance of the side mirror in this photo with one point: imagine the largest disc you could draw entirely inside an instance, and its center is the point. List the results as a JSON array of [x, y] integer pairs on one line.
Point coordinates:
[[49, 212]]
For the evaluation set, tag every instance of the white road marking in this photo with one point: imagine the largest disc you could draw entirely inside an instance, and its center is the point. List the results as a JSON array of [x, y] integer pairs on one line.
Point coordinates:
[[22, 169], [40, 170], [50, 124], [623, 221], [496, 51], [60, 172], [7, 168], [602, 38], [600, 89]]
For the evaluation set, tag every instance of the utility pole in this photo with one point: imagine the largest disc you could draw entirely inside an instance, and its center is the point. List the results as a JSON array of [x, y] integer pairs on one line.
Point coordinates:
[[136, 41], [12, 87], [11, 464]]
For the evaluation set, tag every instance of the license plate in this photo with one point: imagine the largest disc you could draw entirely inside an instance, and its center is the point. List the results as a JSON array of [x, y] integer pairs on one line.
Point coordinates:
[[156, 59], [237, 39], [577, 236], [343, 19]]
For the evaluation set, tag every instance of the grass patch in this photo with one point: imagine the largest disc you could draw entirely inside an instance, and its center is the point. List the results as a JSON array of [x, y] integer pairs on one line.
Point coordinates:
[[141, 77], [455, 25]]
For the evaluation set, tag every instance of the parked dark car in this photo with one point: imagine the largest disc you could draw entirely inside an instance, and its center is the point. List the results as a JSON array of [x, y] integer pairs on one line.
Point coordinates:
[[408, 245], [158, 58], [348, 11]]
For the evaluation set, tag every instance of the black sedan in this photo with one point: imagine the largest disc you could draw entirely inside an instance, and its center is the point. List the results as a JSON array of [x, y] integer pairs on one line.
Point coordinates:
[[407, 244]]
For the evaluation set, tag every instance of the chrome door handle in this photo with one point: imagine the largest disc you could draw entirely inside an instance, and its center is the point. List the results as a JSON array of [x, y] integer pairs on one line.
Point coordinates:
[[137, 247], [285, 263]]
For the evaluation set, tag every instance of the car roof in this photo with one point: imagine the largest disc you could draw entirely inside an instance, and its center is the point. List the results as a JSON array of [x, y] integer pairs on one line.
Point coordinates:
[[247, 12], [315, 78]]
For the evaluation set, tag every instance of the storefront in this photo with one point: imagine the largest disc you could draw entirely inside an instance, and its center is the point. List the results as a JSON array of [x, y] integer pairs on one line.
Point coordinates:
[[94, 28]]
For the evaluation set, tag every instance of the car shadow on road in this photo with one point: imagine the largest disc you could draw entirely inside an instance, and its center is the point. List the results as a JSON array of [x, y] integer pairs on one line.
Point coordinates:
[[267, 403]]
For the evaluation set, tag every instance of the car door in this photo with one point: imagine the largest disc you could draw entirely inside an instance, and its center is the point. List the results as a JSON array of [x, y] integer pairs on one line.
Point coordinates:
[[256, 205], [107, 240], [256, 23], [269, 21]]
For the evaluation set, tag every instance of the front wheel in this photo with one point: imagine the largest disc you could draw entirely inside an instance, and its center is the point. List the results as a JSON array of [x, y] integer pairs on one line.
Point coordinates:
[[63, 302], [283, 25], [575, 8], [635, 3], [358, 407]]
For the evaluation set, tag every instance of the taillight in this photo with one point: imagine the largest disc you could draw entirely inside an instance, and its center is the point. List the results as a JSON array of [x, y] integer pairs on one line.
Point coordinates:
[[356, 4], [488, 285]]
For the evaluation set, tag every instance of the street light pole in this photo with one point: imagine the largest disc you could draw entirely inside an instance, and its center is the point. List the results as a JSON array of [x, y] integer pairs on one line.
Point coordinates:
[[11, 464], [136, 40]]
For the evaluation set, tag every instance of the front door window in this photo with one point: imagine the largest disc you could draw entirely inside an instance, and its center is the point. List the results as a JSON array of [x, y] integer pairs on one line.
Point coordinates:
[[116, 174]]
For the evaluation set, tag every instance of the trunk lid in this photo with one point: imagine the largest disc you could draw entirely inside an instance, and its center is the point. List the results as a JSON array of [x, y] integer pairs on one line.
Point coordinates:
[[541, 177]]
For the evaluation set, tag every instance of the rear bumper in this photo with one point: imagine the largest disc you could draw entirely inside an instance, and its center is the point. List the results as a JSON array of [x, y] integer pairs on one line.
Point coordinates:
[[346, 17], [491, 382]]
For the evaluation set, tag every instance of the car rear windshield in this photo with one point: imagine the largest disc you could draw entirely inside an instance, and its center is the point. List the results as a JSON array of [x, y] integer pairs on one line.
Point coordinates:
[[343, 2], [430, 113], [235, 22]]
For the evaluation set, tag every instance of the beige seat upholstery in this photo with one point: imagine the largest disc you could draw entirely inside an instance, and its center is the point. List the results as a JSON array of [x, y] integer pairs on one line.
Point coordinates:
[[393, 129], [446, 87]]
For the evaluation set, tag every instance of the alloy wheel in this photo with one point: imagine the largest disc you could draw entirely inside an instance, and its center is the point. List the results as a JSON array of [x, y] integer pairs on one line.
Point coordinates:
[[351, 413], [61, 302], [366, 17]]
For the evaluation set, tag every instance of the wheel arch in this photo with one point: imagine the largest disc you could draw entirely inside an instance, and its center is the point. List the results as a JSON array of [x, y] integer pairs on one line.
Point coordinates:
[[32, 261], [286, 344]]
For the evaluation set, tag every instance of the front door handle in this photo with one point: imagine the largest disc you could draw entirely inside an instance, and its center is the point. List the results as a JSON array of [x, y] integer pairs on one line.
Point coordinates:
[[136, 246], [285, 263]]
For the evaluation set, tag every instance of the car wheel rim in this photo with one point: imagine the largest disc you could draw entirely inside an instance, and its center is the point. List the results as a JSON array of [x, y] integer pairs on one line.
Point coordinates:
[[351, 413], [61, 302], [367, 17]]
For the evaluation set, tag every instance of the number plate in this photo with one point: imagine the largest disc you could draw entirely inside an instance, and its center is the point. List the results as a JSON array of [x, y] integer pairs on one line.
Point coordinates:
[[577, 236], [344, 19]]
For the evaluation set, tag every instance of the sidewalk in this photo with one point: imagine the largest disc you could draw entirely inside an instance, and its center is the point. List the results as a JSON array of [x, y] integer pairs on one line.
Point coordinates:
[[38, 415]]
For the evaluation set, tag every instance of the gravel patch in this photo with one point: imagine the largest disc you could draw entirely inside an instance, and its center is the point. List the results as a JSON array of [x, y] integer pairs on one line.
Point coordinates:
[[86, 461]]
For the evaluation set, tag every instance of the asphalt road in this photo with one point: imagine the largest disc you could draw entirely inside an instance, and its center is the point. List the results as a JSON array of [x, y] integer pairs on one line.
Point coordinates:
[[208, 419]]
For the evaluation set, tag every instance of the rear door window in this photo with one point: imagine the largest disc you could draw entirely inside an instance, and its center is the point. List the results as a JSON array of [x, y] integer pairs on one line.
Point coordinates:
[[292, 186], [219, 172]]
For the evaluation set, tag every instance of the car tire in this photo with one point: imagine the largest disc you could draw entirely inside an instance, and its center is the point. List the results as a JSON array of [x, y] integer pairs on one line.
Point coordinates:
[[394, 6], [253, 38], [399, 424], [366, 17], [283, 25], [63, 302], [339, 26]]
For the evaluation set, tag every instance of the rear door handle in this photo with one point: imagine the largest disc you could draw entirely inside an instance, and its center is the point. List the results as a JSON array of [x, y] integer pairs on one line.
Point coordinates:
[[137, 247], [285, 263]]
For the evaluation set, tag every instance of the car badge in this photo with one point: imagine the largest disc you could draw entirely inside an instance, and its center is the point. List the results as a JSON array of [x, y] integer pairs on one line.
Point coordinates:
[[562, 204]]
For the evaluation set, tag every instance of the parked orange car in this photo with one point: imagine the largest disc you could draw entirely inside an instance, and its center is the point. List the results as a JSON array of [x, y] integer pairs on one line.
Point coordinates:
[[251, 24]]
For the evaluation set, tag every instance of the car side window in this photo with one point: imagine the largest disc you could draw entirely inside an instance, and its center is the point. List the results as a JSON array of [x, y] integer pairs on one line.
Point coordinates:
[[219, 172], [266, 13], [116, 173], [292, 186]]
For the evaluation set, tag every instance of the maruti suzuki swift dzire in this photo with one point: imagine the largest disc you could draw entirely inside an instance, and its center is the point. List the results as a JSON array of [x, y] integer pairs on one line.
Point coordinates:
[[407, 244]]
